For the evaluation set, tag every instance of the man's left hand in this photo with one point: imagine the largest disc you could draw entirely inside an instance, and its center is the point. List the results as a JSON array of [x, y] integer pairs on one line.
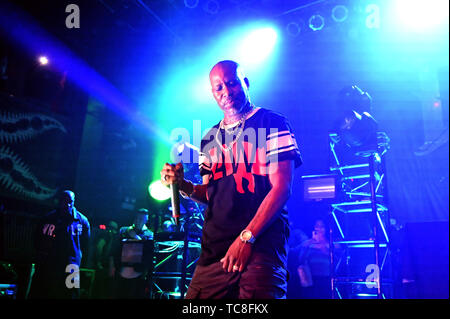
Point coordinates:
[[237, 256]]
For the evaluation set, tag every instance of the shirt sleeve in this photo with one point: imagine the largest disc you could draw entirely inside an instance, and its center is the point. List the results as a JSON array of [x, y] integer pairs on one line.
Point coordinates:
[[204, 160], [204, 164], [281, 143]]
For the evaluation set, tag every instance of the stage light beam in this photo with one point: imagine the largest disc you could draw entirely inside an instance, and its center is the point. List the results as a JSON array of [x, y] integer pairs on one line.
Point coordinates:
[[257, 46], [158, 191], [421, 16], [253, 45], [43, 60]]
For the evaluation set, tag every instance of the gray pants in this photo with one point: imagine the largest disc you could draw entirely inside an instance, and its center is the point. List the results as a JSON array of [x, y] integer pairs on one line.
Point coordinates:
[[259, 280]]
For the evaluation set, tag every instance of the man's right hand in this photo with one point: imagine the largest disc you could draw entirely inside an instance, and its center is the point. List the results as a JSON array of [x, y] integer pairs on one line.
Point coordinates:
[[172, 174]]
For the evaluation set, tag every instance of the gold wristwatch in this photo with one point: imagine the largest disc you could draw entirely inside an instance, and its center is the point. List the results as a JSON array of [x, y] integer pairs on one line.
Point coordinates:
[[247, 237]]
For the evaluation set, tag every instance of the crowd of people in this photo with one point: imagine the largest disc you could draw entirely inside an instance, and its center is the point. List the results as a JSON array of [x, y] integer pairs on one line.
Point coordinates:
[[65, 243]]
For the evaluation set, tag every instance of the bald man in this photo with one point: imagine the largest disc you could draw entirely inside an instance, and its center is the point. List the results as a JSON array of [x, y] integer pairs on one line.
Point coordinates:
[[62, 238], [247, 162]]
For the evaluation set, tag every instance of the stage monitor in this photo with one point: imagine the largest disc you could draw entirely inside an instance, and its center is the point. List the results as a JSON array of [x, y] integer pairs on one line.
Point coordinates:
[[136, 252]]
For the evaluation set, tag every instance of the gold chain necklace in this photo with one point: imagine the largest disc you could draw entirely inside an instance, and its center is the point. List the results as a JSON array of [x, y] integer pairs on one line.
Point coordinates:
[[241, 129]]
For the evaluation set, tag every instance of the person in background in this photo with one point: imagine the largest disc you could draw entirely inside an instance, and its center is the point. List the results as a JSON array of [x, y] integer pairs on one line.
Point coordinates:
[[62, 239], [103, 250], [314, 264], [131, 277], [297, 237], [139, 229]]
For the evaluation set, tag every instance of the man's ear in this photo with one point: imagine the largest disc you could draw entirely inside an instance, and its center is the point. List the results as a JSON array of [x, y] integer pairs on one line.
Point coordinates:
[[247, 82]]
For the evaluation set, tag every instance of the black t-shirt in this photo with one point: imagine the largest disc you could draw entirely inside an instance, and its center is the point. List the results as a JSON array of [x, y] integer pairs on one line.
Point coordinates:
[[62, 240], [239, 182], [129, 232]]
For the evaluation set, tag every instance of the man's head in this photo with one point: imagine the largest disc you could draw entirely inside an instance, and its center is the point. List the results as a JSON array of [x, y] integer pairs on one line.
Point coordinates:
[[320, 227], [66, 201], [229, 86], [113, 227], [141, 218]]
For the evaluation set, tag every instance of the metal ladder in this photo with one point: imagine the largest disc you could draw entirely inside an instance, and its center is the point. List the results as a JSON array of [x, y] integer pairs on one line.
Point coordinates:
[[359, 225]]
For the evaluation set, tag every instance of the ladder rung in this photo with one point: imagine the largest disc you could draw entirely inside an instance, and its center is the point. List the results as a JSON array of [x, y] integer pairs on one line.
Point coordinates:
[[348, 167], [362, 202], [359, 243], [367, 295], [358, 280]]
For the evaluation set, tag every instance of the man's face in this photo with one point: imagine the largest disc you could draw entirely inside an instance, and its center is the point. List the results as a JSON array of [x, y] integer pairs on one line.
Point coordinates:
[[140, 220], [319, 227], [229, 88], [67, 202], [113, 228]]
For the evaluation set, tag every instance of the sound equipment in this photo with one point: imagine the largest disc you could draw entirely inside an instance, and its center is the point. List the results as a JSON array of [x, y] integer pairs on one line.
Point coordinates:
[[8, 291], [172, 265]]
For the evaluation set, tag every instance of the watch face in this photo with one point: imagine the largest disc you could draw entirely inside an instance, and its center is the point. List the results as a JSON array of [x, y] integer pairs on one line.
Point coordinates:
[[246, 235]]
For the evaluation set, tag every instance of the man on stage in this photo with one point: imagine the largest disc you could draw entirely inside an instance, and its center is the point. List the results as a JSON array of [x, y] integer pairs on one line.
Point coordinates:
[[247, 162]]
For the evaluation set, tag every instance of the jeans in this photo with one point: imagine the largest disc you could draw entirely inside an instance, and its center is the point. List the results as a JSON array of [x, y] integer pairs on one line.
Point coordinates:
[[261, 279]]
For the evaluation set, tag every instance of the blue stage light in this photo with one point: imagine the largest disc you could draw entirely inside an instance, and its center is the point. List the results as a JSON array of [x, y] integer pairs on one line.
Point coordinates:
[[191, 4], [339, 13], [257, 45], [316, 22], [293, 29], [43, 60]]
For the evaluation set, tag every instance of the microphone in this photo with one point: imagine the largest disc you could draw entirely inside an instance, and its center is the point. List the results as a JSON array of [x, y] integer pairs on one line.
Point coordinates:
[[175, 203]]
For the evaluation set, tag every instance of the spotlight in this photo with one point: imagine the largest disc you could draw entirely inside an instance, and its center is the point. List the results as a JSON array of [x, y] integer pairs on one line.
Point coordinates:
[[437, 103], [356, 127], [158, 191], [293, 29], [415, 15], [316, 22], [359, 131], [43, 60], [211, 7], [191, 4], [339, 13], [257, 45], [352, 98]]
